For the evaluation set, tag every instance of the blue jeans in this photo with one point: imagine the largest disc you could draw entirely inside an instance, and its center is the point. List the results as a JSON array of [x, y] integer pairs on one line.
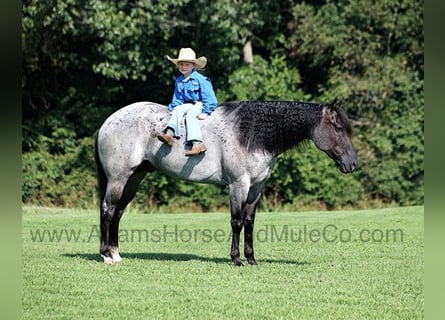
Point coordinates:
[[191, 112]]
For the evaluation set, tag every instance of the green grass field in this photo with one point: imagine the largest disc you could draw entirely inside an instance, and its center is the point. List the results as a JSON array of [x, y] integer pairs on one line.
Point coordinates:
[[364, 264]]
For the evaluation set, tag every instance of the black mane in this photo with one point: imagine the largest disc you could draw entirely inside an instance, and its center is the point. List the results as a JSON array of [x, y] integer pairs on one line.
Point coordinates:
[[273, 126]]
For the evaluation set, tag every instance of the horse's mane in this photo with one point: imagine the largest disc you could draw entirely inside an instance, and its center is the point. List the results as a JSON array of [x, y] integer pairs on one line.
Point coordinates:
[[277, 126], [273, 126]]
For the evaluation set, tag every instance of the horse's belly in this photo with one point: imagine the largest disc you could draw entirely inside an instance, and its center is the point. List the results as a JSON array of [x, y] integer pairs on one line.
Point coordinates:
[[197, 168]]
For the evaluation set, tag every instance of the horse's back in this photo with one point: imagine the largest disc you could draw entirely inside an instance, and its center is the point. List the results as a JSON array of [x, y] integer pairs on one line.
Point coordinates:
[[129, 136], [134, 116]]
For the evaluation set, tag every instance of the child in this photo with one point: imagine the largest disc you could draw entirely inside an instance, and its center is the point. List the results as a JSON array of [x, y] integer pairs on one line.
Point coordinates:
[[193, 98]]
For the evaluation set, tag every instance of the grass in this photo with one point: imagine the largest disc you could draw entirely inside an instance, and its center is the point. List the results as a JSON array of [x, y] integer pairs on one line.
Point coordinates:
[[312, 265]]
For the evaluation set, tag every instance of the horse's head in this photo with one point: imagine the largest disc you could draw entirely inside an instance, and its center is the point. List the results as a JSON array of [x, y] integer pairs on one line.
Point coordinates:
[[333, 136]]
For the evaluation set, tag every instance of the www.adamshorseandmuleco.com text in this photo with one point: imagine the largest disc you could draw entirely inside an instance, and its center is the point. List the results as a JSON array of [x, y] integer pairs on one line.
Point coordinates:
[[329, 233]]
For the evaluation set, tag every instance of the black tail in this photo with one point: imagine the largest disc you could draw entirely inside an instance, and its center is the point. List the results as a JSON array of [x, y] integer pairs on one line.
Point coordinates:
[[100, 175]]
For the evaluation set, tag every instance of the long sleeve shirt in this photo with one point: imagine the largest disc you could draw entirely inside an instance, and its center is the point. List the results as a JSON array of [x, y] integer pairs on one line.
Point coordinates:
[[195, 88]]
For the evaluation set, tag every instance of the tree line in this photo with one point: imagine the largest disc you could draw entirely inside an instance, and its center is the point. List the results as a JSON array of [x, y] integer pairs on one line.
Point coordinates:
[[84, 59]]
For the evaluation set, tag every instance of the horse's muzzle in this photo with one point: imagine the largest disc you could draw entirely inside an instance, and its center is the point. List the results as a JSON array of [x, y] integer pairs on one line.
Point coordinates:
[[348, 168], [348, 165]]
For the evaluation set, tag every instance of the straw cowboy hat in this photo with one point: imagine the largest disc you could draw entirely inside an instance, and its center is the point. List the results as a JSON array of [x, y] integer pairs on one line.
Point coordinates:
[[188, 55]]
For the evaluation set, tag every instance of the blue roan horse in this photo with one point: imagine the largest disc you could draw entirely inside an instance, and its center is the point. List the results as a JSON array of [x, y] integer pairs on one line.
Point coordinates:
[[243, 142]]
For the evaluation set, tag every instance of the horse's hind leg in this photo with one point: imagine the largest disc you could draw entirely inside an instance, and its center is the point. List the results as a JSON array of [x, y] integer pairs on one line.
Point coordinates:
[[119, 194], [108, 210]]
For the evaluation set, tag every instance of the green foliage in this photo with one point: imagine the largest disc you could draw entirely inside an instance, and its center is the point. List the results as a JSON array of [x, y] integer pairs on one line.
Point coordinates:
[[265, 80], [395, 168], [84, 59], [371, 56], [61, 172], [306, 176]]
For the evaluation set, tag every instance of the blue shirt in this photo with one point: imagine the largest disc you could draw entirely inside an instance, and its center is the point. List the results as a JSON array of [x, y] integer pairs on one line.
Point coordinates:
[[194, 88]]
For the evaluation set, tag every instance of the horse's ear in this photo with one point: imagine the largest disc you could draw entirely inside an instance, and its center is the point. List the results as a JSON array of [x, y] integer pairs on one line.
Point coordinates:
[[336, 102]]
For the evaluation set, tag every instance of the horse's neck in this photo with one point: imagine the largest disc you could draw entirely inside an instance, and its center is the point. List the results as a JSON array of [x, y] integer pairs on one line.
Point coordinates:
[[301, 119], [277, 127]]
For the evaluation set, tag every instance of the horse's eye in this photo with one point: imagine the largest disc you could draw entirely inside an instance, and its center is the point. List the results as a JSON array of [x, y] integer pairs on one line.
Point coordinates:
[[338, 129]]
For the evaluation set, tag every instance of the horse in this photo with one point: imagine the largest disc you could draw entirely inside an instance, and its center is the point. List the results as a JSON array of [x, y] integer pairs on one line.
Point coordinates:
[[243, 139]]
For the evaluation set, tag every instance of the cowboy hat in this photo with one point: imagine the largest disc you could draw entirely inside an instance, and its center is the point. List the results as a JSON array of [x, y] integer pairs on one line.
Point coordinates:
[[188, 55]]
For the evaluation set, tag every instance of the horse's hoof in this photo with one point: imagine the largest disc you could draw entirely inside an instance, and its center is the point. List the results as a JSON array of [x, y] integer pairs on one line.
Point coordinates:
[[115, 256], [252, 262], [108, 260], [237, 262]]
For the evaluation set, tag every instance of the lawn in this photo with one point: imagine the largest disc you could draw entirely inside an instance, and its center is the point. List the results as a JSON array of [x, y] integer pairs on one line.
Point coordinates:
[[365, 264]]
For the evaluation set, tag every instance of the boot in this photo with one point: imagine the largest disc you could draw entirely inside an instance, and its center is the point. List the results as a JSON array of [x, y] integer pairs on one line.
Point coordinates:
[[196, 149], [166, 138]]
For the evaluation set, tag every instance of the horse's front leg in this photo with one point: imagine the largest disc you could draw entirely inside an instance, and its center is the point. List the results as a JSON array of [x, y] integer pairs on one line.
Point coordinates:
[[238, 196], [249, 221], [237, 226]]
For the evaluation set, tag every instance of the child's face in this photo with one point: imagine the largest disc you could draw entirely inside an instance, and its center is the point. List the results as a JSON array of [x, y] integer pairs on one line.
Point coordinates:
[[185, 67]]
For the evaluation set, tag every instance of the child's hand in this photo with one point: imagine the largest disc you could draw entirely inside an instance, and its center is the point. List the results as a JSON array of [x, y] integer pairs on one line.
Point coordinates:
[[202, 116]]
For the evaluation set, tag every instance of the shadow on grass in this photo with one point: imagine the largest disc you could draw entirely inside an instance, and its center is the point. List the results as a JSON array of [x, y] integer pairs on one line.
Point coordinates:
[[179, 257]]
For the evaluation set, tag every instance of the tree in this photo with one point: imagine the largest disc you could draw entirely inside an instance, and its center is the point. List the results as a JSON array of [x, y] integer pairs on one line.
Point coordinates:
[[371, 55], [84, 59]]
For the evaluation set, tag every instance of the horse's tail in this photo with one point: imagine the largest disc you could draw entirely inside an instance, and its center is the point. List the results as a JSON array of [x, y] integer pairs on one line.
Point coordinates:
[[100, 174]]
